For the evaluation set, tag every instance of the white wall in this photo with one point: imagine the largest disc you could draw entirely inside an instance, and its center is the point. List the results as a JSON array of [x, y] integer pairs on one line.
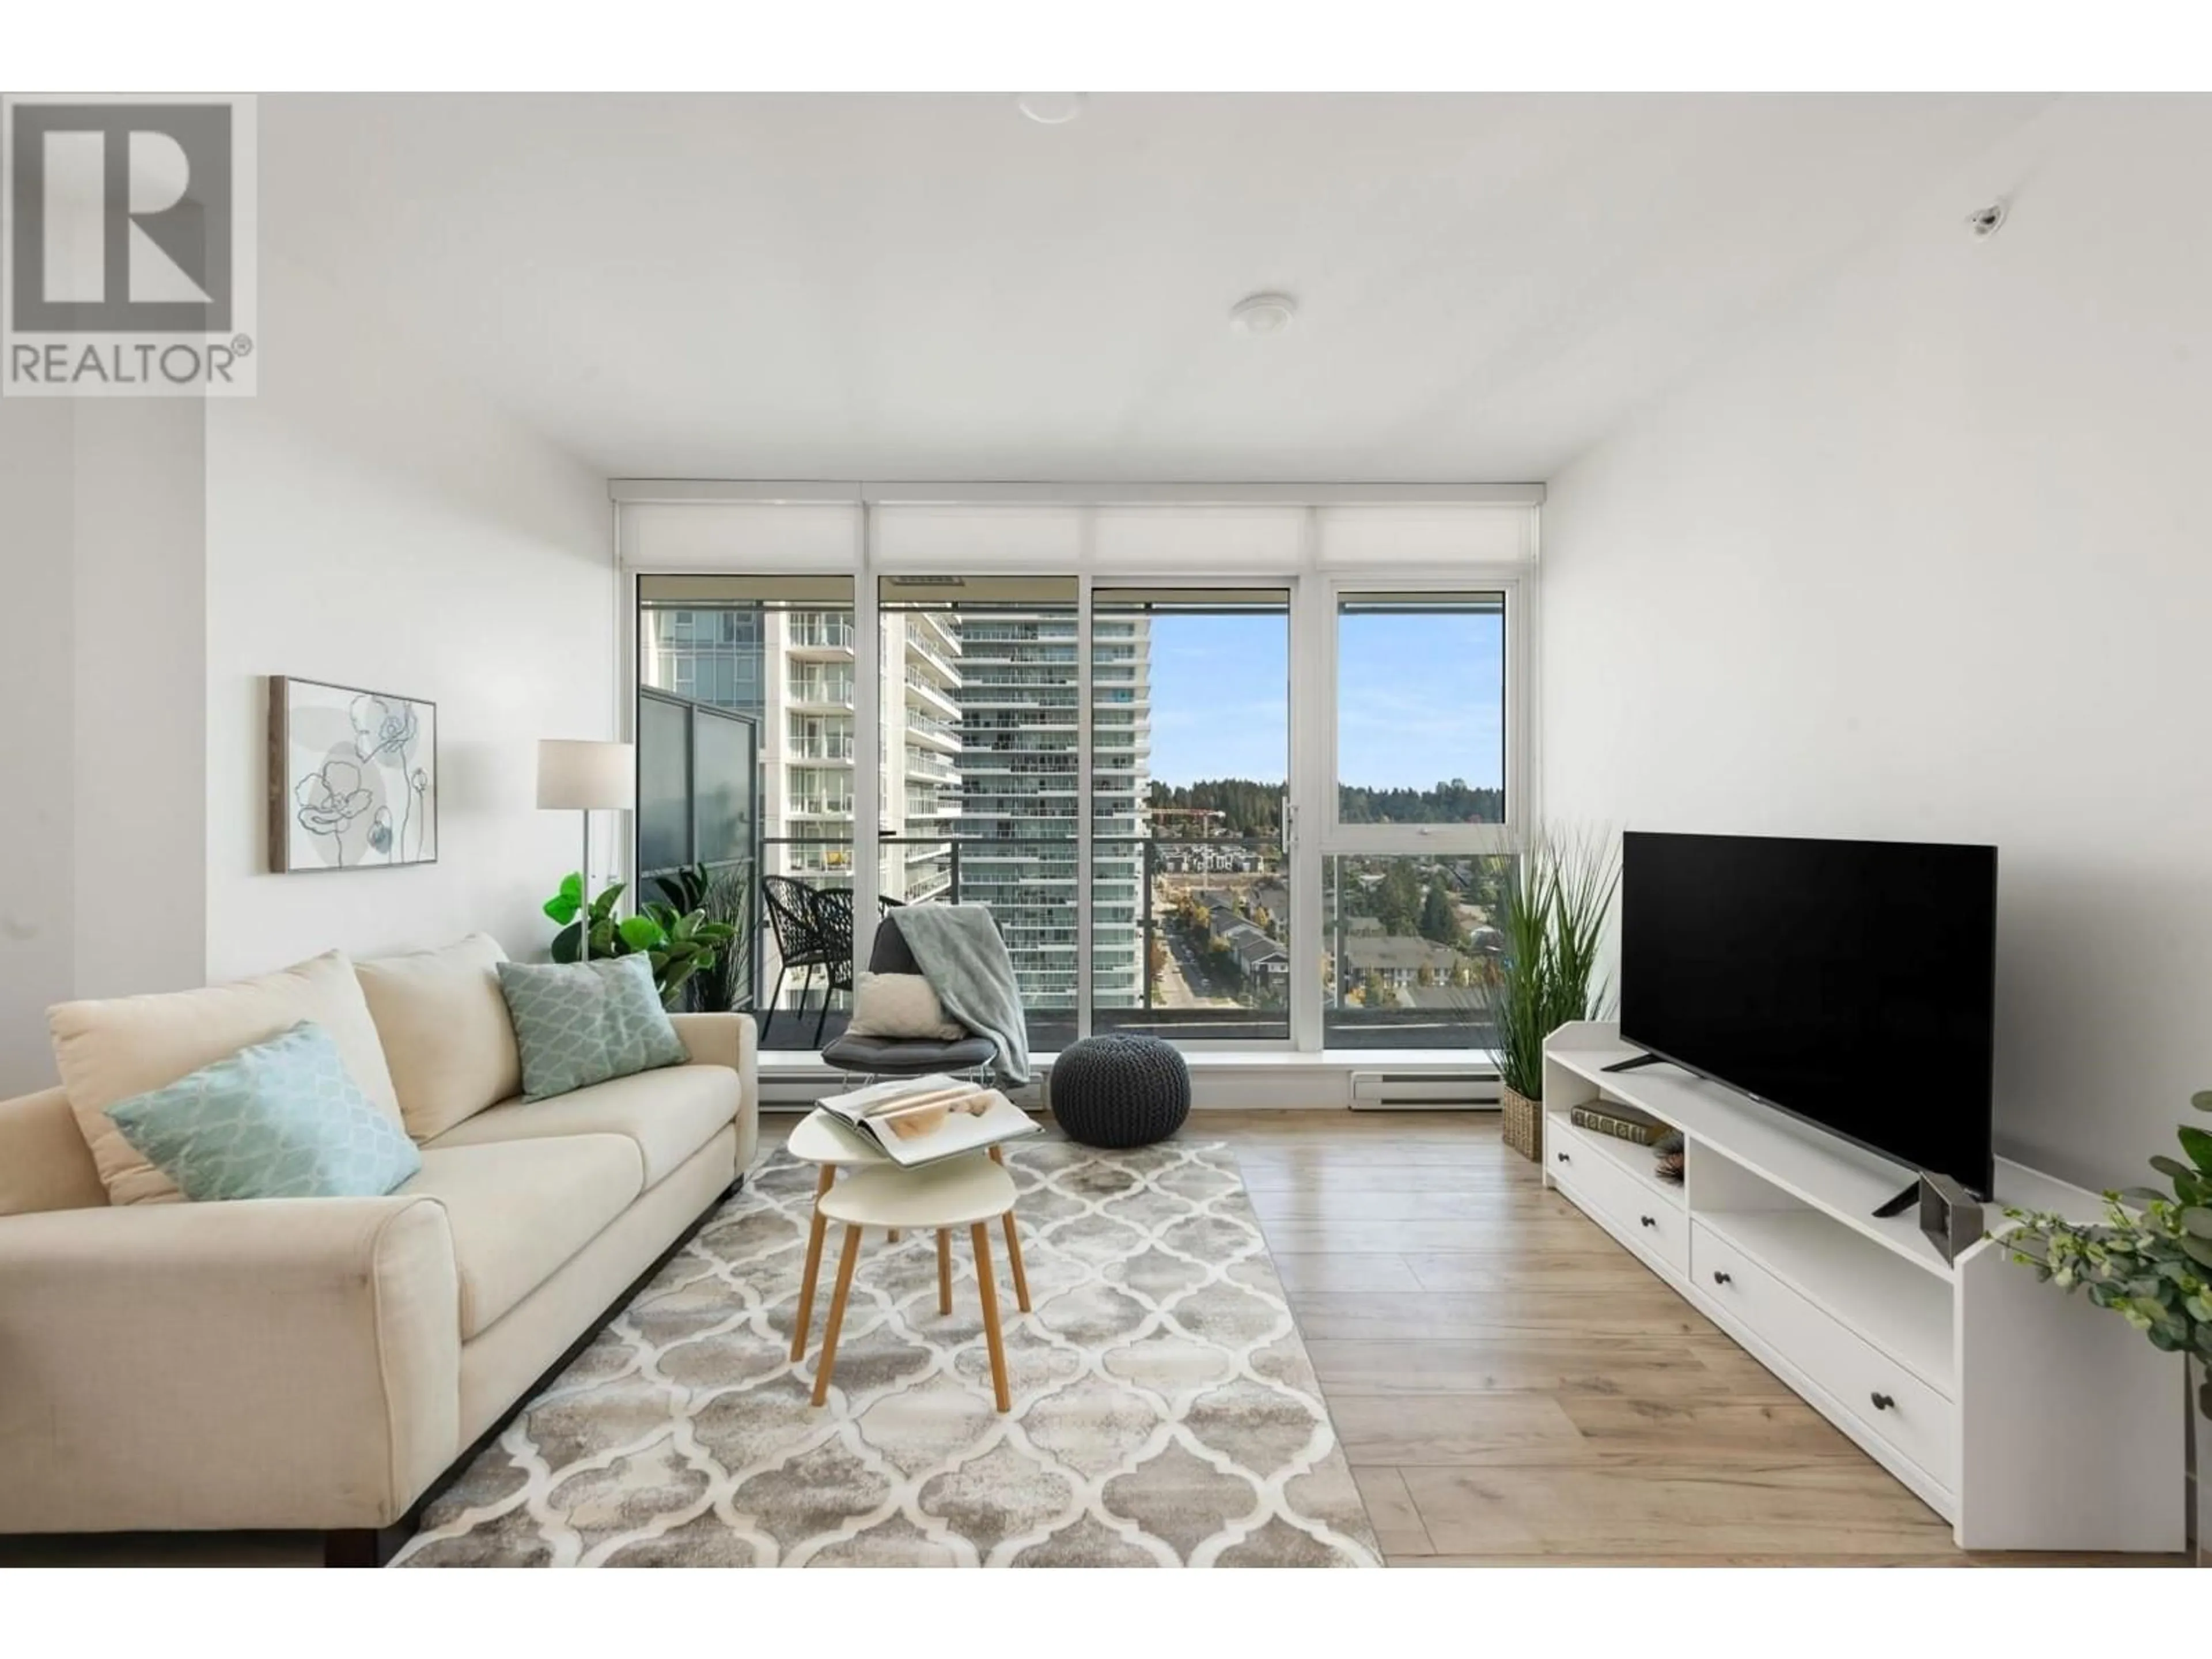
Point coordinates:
[[1929, 555], [102, 835], [38, 804], [371, 522]]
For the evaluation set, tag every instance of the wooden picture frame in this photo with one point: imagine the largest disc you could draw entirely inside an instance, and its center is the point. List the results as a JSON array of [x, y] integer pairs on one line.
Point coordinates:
[[352, 778]]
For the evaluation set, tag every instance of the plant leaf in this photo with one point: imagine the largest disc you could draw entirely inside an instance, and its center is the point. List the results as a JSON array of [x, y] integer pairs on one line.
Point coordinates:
[[2198, 1249], [641, 932], [2174, 1167], [2198, 1143], [2202, 1100]]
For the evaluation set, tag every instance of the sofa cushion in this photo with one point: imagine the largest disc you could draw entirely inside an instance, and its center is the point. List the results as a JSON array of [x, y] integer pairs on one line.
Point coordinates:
[[669, 1114], [582, 1022], [446, 1031], [280, 1119], [109, 1051], [519, 1209]]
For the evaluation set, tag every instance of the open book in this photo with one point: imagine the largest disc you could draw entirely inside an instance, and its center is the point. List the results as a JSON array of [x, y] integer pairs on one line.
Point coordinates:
[[916, 1120]]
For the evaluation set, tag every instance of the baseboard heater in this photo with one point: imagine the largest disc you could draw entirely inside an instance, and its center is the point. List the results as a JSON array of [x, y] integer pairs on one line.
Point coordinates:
[[1433, 1091]]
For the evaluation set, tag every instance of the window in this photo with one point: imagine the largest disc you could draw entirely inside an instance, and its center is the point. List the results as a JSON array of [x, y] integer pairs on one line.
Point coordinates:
[[779, 649], [1420, 709], [979, 767], [1190, 762], [1413, 949]]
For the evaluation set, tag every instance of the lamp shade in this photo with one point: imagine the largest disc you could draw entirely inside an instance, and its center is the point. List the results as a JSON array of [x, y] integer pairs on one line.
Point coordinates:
[[583, 774]]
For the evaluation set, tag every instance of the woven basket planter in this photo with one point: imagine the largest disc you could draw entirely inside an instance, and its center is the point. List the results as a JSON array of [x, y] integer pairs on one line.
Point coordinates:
[[1524, 1124]]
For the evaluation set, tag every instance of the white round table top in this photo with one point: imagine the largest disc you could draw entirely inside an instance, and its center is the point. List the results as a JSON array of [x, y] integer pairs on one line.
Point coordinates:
[[957, 1193], [818, 1138]]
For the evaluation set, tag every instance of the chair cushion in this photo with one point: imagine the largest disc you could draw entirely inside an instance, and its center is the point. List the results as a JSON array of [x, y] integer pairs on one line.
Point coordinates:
[[885, 1054], [109, 1051], [667, 1115], [280, 1119], [519, 1209], [446, 1034], [578, 1024]]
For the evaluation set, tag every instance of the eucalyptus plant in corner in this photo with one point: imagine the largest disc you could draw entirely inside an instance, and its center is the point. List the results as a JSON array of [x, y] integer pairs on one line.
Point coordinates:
[[1552, 923], [2149, 1262]]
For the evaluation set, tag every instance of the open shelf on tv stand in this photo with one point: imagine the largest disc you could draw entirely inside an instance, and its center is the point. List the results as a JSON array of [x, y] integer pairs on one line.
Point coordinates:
[[2026, 1417]]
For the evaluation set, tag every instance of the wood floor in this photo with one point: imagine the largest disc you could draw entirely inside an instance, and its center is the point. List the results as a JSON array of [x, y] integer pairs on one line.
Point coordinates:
[[1512, 1388]]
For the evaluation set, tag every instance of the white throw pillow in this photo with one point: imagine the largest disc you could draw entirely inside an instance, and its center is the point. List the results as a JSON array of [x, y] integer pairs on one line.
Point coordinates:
[[900, 1006]]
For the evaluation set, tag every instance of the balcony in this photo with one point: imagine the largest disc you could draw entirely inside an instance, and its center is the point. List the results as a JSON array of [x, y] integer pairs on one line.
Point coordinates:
[[930, 695], [836, 749], [821, 637], [813, 691]]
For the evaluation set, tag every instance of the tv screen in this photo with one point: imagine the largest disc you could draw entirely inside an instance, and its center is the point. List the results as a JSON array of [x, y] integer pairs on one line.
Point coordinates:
[[1850, 983]]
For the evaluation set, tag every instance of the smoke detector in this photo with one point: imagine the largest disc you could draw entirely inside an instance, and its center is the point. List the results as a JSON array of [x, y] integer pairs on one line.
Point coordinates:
[[1263, 314]]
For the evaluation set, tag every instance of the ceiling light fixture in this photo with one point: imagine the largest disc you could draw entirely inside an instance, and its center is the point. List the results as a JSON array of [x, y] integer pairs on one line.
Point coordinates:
[[1263, 314], [1051, 109]]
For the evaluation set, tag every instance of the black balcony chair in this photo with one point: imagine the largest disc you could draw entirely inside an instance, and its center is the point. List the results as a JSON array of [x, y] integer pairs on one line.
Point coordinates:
[[810, 933], [875, 1058]]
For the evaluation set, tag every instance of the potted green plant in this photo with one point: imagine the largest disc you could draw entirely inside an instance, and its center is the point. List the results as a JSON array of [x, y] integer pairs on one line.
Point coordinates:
[[1552, 926], [2150, 1261], [679, 944]]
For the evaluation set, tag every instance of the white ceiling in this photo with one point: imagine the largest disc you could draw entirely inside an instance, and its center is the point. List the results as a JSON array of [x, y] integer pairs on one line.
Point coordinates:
[[933, 287]]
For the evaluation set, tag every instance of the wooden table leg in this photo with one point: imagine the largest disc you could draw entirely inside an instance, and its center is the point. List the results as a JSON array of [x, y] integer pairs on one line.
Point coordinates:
[[813, 1268], [1014, 1247], [1014, 1255], [943, 1270], [980, 1236], [827, 1362]]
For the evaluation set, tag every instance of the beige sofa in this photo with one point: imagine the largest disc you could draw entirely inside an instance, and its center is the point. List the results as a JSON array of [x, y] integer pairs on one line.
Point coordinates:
[[319, 1364]]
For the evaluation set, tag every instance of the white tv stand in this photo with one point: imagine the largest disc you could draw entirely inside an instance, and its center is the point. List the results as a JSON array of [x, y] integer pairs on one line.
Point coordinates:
[[2028, 1419]]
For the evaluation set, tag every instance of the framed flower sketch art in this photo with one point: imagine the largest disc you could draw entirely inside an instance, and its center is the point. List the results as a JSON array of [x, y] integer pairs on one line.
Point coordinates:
[[353, 778]]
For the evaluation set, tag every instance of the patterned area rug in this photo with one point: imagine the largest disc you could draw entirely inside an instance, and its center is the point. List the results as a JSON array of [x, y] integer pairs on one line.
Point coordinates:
[[1165, 1413]]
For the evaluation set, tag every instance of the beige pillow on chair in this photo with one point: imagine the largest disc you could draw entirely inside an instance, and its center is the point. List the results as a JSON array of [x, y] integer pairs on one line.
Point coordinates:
[[900, 1006]]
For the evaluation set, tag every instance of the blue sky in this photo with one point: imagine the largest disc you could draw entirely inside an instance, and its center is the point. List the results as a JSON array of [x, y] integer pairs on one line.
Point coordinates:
[[1420, 703]]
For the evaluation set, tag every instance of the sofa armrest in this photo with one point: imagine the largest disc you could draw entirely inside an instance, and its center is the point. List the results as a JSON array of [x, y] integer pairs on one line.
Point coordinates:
[[729, 1040], [279, 1362]]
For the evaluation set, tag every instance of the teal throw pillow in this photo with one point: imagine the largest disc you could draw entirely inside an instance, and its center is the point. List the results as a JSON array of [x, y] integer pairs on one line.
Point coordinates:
[[582, 1022], [281, 1119]]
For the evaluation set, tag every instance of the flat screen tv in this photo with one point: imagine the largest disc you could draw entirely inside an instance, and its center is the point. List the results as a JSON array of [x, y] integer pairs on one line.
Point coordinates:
[[1849, 983]]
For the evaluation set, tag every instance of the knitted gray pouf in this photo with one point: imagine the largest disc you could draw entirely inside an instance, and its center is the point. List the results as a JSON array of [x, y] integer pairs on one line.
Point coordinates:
[[1116, 1091]]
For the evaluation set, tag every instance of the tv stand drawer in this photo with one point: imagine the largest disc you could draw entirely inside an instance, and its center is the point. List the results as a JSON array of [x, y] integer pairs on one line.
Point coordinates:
[[1646, 1218], [1881, 1397]]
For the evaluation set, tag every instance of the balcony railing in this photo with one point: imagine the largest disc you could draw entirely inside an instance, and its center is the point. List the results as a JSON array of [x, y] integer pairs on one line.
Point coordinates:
[[836, 693]]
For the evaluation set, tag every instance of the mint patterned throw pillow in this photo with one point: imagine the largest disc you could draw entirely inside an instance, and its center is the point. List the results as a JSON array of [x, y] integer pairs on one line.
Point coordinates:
[[582, 1022], [281, 1119]]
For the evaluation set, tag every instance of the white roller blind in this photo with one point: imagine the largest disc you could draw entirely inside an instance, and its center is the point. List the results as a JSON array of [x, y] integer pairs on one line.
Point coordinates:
[[1202, 539], [957, 538], [740, 535], [1367, 538]]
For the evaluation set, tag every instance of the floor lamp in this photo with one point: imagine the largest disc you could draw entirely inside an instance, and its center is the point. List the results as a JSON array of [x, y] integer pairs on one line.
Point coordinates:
[[587, 775]]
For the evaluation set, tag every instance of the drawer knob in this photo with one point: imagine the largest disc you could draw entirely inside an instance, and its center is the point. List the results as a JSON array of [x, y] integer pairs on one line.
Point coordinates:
[[1649, 1221], [1720, 1277], [1882, 1402], [1563, 1157]]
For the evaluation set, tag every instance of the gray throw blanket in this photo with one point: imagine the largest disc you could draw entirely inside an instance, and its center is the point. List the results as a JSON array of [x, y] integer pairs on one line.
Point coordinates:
[[960, 953]]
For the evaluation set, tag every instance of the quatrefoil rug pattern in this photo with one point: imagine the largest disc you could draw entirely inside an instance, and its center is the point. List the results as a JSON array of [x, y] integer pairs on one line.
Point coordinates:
[[1165, 1412]]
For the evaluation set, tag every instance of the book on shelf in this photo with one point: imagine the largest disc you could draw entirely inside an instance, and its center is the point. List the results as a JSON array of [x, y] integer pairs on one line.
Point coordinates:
[[1609, 1117], [917, 1120]]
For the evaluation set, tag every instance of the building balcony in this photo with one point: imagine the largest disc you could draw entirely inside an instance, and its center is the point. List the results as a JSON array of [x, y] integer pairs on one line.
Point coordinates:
[[808, 693], [929, 694]]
